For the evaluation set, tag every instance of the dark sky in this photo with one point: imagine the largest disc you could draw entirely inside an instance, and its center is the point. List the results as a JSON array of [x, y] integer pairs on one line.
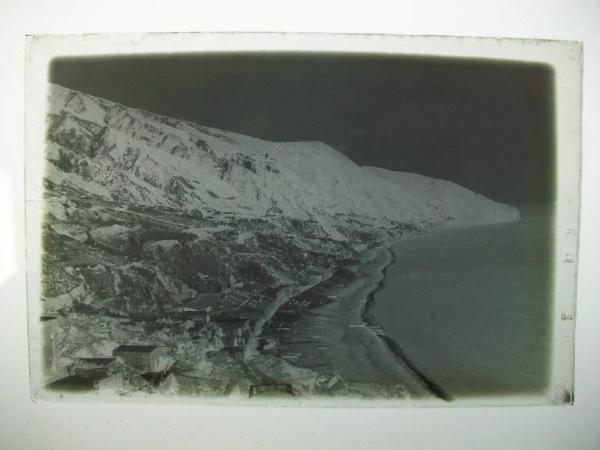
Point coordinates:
[[483, 124]]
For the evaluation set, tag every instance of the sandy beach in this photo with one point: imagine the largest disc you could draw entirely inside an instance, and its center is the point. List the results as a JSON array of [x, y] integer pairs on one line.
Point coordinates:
[[335, 340]]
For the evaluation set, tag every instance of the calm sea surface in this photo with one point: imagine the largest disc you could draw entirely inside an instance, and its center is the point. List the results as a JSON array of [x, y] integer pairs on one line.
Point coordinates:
[[470, 307]]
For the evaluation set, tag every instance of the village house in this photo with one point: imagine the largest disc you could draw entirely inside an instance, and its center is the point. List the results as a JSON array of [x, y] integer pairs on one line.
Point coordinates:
[[145, 358], [247, 312], [73, 383], [198, 329], [205, 301], [99, 367], [206, 284], [84, 374], [235, 298], [234, 335]]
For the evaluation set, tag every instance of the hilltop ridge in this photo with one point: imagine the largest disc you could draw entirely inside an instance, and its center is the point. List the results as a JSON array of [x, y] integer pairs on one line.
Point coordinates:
[[143, 158]]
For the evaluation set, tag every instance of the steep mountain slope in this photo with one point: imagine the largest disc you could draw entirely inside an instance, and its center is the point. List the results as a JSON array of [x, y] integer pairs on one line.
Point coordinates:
[[156, 229], [137, 157]]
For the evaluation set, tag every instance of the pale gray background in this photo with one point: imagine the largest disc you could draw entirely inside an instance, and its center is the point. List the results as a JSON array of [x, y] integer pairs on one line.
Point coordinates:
[[24, 424]]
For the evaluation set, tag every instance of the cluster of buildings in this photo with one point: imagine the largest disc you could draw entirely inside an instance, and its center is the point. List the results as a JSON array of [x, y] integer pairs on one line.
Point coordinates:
[[229, 325]]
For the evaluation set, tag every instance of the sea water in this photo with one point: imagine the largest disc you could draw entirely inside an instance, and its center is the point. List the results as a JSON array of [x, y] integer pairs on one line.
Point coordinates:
[[470, 307]]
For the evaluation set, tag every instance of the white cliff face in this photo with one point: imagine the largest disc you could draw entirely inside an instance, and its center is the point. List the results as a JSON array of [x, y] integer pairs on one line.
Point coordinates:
[[141, 158]]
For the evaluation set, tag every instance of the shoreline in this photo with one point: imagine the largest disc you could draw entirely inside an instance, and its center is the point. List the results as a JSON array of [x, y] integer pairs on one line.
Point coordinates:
[[393, 346], [471, 306], [352, 322], [332, 338]]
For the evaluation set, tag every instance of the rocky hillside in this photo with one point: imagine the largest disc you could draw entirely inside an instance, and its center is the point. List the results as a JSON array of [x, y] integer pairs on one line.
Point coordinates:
[[144, 159], [146, 212]]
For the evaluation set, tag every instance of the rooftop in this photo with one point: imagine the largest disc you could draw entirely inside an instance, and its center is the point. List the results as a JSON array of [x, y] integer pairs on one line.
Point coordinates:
[[75, 383], [99, 361], [135, 349]]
